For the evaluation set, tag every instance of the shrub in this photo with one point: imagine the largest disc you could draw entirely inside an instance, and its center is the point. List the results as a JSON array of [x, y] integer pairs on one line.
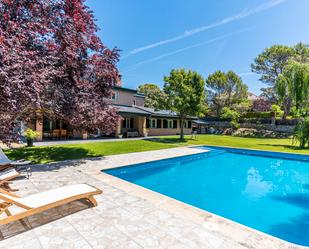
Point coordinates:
[[277, 111], [257, 115], [30, 134], [255, 120], [242, 107], [301, 133], [232, 115]]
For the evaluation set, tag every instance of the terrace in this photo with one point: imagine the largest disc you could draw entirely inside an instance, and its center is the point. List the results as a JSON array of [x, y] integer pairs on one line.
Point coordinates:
[[127, 216]]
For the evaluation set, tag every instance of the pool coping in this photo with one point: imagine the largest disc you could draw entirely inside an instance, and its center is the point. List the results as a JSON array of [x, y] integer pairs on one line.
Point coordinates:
[[231, 230], [289, 155]]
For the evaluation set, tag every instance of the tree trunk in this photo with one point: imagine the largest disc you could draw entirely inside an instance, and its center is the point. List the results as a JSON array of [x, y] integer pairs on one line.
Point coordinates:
[[181, 127], [218, 110], [287, 107]]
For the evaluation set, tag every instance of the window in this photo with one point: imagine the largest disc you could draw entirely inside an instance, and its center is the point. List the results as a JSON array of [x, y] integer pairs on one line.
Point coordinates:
[[134, 102], [187, 124], [170, 124], [153, 123], [159, 121], [127, 123], [114, 95], [147, 123], [165, 125], [175, 124]]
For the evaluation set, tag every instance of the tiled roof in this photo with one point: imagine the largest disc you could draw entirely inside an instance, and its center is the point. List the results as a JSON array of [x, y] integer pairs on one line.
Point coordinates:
[[201, 122], [160, 113], [145, 111], [131, 110]]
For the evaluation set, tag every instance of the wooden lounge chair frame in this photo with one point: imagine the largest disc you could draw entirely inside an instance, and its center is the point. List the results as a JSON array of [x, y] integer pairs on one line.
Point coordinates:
[[4, 206], [10, 177], [5, 182], [19, 165]]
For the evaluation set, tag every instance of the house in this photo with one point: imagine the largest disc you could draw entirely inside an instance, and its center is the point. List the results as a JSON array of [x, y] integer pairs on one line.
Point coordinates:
[[137, 120]]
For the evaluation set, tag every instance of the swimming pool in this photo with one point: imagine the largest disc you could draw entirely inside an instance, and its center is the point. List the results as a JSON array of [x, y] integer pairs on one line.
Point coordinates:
[[263, 190]]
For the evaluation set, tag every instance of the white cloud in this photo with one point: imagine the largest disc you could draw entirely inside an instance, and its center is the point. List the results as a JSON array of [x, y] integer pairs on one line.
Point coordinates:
[[219, 38], [244, 13], [246, 74]]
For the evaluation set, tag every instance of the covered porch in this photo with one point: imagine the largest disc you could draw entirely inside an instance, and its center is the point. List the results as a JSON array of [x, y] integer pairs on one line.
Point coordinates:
[[55, 129], [131, 126], [202, 126], [133, 123]]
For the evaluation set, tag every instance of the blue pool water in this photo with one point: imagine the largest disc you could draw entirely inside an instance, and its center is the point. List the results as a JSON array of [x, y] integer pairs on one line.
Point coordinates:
[[268, 193]]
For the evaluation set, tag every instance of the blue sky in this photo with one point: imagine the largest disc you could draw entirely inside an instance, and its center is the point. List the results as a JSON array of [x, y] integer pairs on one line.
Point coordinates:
[[157, 36]]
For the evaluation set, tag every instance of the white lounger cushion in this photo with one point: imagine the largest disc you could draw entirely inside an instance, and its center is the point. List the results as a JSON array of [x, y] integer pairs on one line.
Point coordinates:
[[54, 195], [8, 174], [3, 158]]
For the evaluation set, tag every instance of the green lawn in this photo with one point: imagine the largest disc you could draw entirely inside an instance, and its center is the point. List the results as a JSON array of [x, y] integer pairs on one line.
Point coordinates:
[[46, 154]]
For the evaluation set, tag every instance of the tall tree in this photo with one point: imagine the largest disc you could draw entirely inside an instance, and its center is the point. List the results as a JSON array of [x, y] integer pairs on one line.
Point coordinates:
[[271, 63], [154, 96], [293, 84], [225, 90], [52, 62], [236, 90], [301, 52], [216, 86], [185, 94], [269, 94]]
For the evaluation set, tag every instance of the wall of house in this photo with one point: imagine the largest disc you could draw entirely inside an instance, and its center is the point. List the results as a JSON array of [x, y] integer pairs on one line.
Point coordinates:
[[140, 101], [127, 98], [167, 131]]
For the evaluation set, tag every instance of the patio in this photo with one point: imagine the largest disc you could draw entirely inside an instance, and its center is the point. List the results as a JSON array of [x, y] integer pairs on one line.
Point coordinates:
[[127, 216]]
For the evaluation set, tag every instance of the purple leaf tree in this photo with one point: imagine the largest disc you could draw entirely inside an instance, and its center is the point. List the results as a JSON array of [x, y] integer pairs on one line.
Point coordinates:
[[53, 63]]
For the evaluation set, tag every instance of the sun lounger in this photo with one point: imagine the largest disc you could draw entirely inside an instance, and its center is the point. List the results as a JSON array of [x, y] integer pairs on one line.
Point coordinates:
[[7, 175], [43, 201], [5, 163]]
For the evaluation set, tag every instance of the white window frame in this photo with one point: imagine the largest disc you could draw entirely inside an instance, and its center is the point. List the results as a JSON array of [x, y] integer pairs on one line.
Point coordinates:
[[153, 123], [170, 124], [128, 122], [114, 96]]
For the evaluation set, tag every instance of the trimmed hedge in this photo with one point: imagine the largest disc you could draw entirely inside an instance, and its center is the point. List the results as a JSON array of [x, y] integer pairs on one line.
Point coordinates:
[[255, 120], [258, 118], [255, 115]]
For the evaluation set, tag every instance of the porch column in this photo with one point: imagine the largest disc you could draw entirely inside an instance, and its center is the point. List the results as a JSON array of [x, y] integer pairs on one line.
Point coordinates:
[[39, 126], [118, 129], [142, 126]]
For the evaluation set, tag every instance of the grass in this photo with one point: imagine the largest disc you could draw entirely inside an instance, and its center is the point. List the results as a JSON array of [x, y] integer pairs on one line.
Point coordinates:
[[47, 154]]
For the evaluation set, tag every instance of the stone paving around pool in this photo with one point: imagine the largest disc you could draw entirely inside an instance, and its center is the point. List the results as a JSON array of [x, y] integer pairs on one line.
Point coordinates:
[[127, 215]]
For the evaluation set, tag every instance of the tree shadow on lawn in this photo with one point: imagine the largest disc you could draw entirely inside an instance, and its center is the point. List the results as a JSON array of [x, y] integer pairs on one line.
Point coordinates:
[[53, 154], [291, 147], [170, 140]]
